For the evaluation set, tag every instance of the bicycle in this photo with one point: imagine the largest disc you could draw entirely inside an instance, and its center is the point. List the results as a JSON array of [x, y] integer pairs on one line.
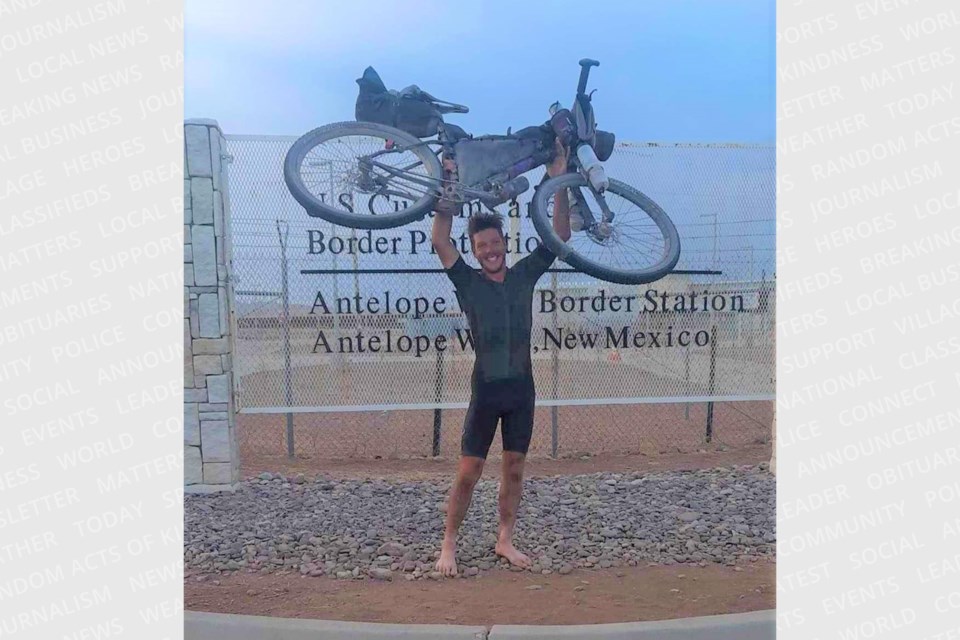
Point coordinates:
[[388, 163]]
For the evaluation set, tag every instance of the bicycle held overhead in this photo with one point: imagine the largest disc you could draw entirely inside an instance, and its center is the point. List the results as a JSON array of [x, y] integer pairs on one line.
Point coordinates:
[[390, 166]]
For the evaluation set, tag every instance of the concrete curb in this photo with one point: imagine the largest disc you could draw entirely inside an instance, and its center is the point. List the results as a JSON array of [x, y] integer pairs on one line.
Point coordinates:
[[222, 626], [756, 625], [198, 625]]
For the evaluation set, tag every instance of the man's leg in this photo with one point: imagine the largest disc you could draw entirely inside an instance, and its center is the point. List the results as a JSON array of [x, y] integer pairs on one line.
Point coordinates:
[[511, 490], [517, 429], [479, 425], [468, 473]]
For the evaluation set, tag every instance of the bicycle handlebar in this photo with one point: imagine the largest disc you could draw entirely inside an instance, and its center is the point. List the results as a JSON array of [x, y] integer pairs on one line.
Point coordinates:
[[585, 65]]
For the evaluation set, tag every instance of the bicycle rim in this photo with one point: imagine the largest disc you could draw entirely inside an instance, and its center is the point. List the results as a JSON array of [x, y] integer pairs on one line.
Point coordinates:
[[332, 183], [639, 246]]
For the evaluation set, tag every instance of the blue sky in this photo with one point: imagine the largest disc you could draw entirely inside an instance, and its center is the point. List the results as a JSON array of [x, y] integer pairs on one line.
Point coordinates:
[[674, 71]]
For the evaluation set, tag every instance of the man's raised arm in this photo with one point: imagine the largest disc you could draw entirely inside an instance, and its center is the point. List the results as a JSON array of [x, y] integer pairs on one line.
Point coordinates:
[[442, 226]]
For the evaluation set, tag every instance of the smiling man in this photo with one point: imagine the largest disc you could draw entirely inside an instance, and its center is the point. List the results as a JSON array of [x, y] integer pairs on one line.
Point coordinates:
[[498, 303]]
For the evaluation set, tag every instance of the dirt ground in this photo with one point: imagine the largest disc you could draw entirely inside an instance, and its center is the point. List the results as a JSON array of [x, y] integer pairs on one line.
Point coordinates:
[[427, 468], [628, 594]]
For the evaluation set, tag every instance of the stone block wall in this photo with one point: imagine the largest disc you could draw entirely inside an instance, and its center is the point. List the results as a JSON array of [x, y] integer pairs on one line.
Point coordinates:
[[211, 460]]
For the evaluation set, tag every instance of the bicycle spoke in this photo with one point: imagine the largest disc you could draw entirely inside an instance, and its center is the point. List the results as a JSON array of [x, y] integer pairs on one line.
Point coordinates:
[[332, 171]]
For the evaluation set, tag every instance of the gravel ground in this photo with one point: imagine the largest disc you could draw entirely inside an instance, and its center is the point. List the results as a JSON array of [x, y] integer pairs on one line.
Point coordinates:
[[355, 529]]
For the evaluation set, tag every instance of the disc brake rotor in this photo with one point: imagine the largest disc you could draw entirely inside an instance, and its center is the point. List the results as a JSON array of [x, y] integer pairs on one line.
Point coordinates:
[[604, 234]]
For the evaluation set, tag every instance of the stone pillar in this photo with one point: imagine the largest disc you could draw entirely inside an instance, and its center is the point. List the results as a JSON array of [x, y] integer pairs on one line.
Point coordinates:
[[210, 453]]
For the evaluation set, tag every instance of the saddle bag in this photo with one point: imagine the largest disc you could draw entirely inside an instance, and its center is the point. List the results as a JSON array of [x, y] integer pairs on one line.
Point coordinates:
[[406, 110]]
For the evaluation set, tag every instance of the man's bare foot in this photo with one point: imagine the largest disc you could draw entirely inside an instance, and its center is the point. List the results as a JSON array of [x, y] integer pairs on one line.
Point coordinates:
[[508, 551], [447, 564]]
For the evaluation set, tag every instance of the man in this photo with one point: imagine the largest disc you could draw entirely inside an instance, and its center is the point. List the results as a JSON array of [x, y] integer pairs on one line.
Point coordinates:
[[498, 303]]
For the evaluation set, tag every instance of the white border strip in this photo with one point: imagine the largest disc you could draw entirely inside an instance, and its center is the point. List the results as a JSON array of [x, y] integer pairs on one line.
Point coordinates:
[[540, 403]]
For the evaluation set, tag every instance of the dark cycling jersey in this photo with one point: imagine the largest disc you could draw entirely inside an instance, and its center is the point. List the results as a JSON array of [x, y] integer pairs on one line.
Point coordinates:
[[500, 315]]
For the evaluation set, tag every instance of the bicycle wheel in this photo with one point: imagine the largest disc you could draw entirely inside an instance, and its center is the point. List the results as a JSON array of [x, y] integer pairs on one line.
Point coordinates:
[[640, 245], [324, 174]]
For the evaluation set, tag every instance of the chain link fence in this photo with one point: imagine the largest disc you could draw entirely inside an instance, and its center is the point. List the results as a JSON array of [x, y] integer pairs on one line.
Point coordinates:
[[339, 354]]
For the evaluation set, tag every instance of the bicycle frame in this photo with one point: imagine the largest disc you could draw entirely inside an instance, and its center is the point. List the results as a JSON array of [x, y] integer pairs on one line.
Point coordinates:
[[598, 230], [467, 193]]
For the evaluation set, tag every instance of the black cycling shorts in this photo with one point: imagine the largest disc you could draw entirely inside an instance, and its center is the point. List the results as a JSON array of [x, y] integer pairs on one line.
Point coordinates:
[[510, 402]]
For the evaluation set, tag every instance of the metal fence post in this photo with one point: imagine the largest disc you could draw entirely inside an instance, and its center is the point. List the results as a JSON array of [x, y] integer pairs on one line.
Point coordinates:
[[686, 379], [438, 394], [283, 230], [554, 422], [713, 369]]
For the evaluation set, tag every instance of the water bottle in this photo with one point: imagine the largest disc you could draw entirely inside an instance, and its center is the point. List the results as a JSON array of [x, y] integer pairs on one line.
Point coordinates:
[[593, 167]]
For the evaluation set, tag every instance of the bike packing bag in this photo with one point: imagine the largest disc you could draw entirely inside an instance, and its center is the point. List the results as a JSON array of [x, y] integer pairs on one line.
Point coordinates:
[[601, 141], [482, 158], [407, 110], [603, 146], [543, 134]]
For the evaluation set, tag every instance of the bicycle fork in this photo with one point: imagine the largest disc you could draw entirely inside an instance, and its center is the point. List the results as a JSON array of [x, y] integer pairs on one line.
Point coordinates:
[[600, 229]]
